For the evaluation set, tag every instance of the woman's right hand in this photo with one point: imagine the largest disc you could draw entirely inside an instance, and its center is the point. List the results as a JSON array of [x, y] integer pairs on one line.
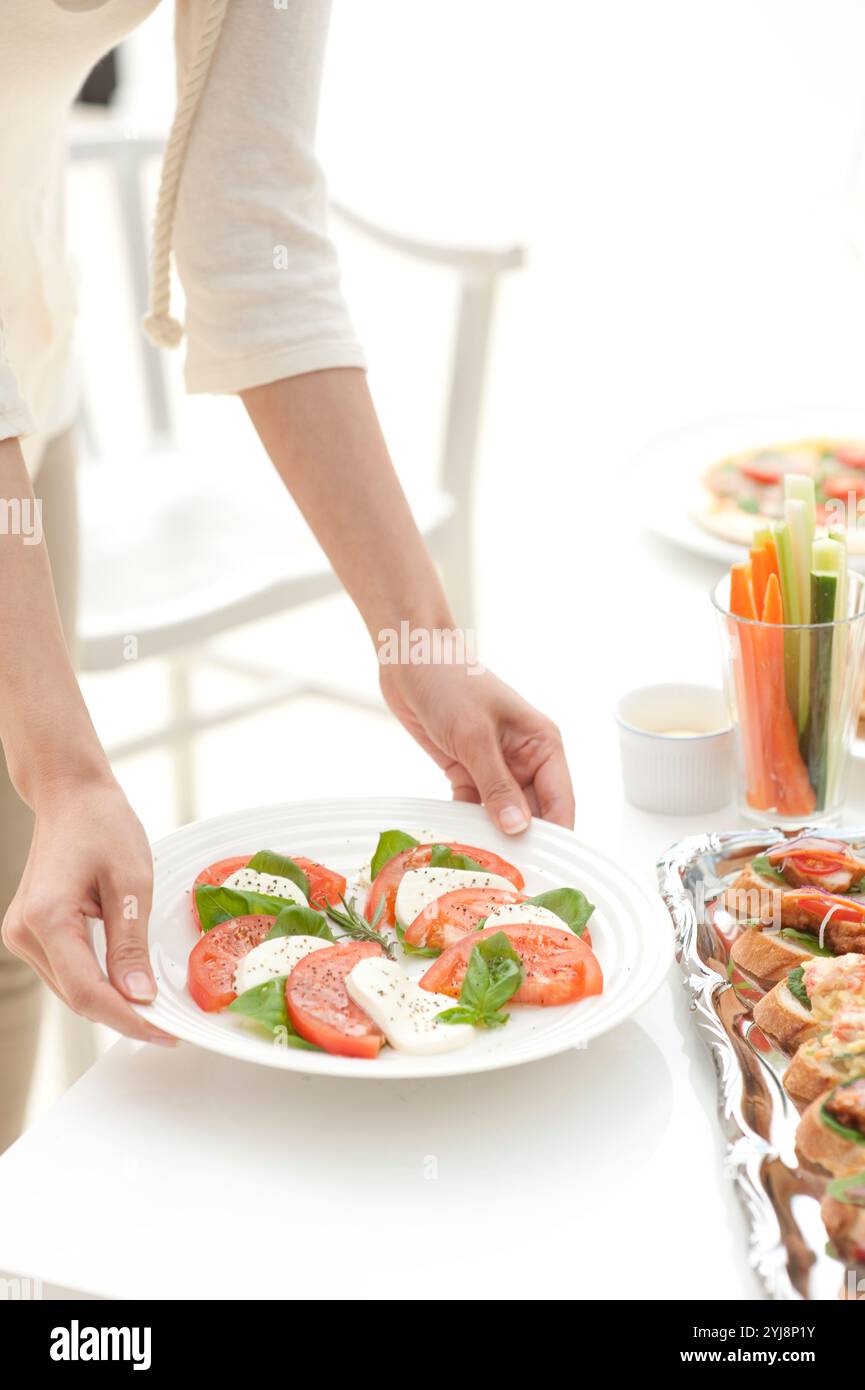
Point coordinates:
[[89, 858]]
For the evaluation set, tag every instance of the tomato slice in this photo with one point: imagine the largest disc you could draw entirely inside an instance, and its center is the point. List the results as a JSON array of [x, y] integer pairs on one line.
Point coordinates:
[[816, 902], [320, 1007], [766, 469], [448, 918], [215, 875], [842, 484], [213, 959], [560, 968], [325, 885], [851, 455], [387, 881]]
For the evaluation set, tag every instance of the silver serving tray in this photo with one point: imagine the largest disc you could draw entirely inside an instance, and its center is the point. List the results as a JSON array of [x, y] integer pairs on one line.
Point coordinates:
[[782, 1200]]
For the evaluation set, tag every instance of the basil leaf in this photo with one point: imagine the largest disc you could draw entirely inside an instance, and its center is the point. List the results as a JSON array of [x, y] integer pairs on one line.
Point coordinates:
[[458, 1014], [494, 973], [796, 986], [219, 904], [443, 857], [265, 1004], [295, 920], [854, 1136], [266, 862], [761, 865], [570, 904], [805, 940], [507, 981], [850, 1190], [390, 844]]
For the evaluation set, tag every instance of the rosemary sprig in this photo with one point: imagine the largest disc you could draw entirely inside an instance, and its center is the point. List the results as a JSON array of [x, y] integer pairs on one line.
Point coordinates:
[[355, 925]]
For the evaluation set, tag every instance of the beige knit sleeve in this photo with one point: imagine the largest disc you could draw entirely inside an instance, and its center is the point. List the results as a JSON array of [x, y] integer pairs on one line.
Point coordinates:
[[15, 418], [258, 269]]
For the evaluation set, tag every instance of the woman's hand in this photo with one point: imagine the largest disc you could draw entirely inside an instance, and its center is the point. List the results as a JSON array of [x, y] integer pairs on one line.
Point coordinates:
[[89, 858], [494, 747]]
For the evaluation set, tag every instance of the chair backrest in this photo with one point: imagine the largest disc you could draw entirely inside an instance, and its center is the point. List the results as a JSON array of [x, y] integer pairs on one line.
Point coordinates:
[[477, 270]]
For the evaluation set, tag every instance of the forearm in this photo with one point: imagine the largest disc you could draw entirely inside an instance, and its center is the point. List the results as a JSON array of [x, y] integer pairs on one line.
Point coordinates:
[[45, 729], [322, 433]]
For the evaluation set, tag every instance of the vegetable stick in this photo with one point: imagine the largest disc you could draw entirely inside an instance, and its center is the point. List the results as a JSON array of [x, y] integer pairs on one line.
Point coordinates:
[[823, 590], [758, 784], [760, 571], [801, 488], [831, 556], [801, 539], [792, 612], [793, 792]]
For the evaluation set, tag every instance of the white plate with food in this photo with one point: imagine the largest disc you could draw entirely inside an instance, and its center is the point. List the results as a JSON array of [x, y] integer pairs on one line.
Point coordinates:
[[709, 485], [319, 920]]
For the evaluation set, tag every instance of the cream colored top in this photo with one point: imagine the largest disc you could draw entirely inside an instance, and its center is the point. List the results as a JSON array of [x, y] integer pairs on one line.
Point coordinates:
[[249, 230]]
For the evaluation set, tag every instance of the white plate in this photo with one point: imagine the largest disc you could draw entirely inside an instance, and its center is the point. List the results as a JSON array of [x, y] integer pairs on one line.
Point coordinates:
[[667, 471], [630, 928]]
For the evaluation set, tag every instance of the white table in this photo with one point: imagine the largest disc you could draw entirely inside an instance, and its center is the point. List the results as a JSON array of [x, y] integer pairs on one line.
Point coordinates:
[[181, 1174]]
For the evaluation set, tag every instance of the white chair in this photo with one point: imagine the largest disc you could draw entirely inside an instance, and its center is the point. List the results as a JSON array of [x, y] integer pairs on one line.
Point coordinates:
[[175, 614]]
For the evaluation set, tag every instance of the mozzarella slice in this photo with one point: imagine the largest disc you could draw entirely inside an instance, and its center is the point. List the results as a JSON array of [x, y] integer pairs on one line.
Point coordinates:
[[530, 914], [270, 959], [419, 887], [404, 1012], [274, 885]]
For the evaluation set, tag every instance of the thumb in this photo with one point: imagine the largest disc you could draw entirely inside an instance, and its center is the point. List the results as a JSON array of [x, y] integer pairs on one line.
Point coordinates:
[[499, 790], [126, 915]]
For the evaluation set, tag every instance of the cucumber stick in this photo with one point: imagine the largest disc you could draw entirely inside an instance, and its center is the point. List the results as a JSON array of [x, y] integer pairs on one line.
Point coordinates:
[[801, 540], [824, 589]]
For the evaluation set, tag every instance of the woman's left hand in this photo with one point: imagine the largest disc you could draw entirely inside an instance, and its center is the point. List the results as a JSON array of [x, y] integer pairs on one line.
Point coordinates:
[[494, 747]]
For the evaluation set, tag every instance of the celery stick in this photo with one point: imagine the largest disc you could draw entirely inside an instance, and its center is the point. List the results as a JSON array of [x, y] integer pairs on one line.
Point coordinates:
[[789, 587], [799, 487], [796, 514], [831, 556], [824, 589], [790, 597]]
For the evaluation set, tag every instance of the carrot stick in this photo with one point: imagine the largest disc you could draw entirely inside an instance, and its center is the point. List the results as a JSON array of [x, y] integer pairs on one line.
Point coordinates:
[[759, 789], [794, 794], [760, 571], [772, 550]]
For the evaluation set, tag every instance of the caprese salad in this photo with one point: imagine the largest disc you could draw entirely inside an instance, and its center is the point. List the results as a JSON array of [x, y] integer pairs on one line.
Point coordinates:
[[282, 942]]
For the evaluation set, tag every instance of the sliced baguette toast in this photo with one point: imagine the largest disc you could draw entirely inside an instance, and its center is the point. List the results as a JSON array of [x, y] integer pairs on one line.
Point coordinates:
[[845, 1226], [808, 1077], [768, 957], [754, 896], [822, 1147], [783, 1018]]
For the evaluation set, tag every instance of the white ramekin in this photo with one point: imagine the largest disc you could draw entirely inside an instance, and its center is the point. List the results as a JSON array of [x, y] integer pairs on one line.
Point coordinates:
[[679, 775]]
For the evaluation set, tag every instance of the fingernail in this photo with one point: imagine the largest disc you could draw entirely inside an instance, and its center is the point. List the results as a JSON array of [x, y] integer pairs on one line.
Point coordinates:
[[164, 1042], [513, 820], [139, 986]]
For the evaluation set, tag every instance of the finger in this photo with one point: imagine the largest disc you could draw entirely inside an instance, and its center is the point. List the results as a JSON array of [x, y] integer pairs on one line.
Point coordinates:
[[499, 789], [125, 912], [554, 789], [86, 990], [462, 783]]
